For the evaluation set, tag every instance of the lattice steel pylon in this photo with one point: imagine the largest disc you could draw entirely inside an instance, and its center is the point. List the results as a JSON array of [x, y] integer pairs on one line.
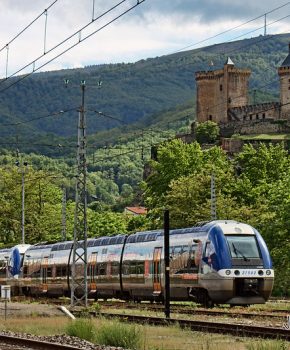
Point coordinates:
[[79, 286]]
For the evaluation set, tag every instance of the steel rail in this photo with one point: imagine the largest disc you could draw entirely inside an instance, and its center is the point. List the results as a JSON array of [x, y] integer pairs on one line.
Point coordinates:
[[35, 344], [208, 327], [193, 311], [218, 312]]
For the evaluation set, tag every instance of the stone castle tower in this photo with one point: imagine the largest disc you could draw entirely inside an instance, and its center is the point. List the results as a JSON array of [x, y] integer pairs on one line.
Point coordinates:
[[220, 90], [222, 95], [284, 75]]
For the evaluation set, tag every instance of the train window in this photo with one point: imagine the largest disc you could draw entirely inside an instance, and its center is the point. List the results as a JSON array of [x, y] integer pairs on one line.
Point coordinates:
[[140, 268], [141, 238], [61, 247], [120, 240], [151, 237], [131, 239], [68, 246], [54, 248], [115, 268], [58, 271], [105, 241], [61, 271], [90, 243], [104, 251], [243, 247], [97, 242], [49, 272], [125, 268], [113, 240], [102, 268], [134, 268]]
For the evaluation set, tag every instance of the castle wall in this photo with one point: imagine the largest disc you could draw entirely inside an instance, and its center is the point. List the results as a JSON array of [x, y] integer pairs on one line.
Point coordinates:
[[261, 111], [284, 74], [254, 127]]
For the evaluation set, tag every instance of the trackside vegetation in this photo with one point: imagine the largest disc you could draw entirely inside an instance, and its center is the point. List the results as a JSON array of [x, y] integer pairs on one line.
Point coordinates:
[[112, 333]]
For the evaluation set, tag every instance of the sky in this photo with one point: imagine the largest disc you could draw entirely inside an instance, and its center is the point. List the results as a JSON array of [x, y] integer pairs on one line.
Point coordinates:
[[153, 28]]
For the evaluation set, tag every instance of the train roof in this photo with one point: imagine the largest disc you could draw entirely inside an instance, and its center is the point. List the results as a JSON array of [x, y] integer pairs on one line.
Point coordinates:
[[202, 228]]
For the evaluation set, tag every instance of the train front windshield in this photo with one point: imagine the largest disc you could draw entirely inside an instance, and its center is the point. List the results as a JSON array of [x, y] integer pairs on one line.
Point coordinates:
[[244, 247]]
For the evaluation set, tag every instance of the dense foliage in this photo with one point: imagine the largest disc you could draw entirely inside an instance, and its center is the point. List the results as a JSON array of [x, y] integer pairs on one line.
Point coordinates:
[[207, 132], [253, 187]]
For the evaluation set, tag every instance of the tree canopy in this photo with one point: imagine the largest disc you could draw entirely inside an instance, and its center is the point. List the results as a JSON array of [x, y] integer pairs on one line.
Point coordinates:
[[253, 187]]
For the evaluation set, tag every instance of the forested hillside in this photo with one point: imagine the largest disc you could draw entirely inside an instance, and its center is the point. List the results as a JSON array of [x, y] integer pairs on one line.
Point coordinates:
[[129, 92]]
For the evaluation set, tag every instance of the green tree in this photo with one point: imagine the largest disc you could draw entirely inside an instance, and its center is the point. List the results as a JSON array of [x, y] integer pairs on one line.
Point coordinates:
[[207, 132]]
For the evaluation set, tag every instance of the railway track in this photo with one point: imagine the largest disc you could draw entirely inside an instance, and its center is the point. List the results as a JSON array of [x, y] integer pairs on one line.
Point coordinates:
[[180, 308], [209, 312], [18, 343], [209, 327], [186, 310]]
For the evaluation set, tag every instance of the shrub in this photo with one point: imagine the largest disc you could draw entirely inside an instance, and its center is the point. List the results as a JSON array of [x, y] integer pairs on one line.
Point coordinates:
[[119, 334], [82, 328], [207, 132]]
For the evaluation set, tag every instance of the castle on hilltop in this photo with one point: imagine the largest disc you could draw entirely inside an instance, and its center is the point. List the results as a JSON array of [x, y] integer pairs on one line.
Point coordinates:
[[222, 96]]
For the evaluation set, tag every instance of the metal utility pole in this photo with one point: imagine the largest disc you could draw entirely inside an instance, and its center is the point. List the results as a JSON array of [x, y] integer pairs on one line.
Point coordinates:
[[79, 285], [166, 265], [265, 25], [213, 197], [23, 206], [23, 166], [63, 212]]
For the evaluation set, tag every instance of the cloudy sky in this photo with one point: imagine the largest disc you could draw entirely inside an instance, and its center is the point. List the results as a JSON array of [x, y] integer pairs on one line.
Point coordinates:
[[153, 28]]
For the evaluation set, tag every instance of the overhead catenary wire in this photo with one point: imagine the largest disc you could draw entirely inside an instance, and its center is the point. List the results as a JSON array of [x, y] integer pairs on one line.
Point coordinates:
[[35, 69], [54, 114], [233, 28], [29, 25]]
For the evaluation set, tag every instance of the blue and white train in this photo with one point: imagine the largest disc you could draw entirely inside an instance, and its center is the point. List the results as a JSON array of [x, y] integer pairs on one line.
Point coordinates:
[[219, 262]]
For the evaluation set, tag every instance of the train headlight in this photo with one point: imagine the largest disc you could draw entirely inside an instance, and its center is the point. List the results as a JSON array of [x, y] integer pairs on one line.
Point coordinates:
[[228, 272], [268, 272], [237, 272], [260, 272]]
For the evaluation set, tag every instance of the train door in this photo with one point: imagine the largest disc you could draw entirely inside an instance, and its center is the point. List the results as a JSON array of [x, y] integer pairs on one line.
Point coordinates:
[[157, 271], [44, 265], [92, 270]]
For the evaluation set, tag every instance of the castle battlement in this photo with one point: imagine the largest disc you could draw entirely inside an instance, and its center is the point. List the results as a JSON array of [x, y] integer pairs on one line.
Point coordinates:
[[222, 95]]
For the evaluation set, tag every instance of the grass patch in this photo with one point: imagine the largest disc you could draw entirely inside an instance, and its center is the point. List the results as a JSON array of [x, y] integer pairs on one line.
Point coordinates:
[[36, 325], [115, 333], [268, 345], [82, 328], [265, 137]]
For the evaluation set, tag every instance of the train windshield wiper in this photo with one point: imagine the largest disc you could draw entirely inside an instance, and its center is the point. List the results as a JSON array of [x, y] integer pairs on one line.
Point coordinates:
[[237, 251]]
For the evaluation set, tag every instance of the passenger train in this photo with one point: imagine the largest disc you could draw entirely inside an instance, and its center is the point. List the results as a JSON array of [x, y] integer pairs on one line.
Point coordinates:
[[219, 262]]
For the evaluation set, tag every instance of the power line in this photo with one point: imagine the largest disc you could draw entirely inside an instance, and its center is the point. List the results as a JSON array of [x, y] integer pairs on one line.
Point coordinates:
[[54, 114], [65, 40], [29, 25], [70, 47], [233, 28]]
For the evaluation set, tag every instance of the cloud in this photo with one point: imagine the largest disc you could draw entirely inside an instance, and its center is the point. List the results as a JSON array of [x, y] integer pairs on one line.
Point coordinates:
[[154, 28], [214, 10]]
